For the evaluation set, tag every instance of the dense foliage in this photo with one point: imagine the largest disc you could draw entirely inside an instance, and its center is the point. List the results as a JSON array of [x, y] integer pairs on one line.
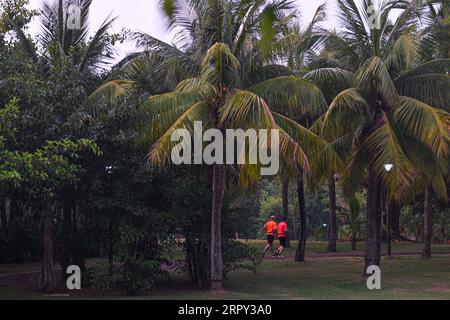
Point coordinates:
[[85, 143]]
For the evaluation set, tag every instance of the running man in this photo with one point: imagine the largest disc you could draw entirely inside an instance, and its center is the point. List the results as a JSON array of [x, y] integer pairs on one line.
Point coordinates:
[[270, 228], [282, 228]]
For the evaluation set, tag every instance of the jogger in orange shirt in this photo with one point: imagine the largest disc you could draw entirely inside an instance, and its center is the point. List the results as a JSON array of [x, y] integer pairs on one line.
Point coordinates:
[[270, 228], [282, 228]]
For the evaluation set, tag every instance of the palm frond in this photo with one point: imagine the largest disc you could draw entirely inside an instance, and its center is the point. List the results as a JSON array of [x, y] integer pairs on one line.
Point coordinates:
[[26, 43], [425, 123], [198, 85], [331, 80], [347, 111], [384, 148], [292, 96], [354, 172], [432, 88], [177, 63], [403, 54], [161, 152], [110, 91], [98, 53], [245, 109], [220, 66], [321, 156], [428, 165], [436, 66], [160, 112], [374, 80], [353, 22]]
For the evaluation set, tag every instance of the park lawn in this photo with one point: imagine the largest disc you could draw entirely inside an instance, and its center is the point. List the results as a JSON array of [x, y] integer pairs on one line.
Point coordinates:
[[331, 278], [403, 277]]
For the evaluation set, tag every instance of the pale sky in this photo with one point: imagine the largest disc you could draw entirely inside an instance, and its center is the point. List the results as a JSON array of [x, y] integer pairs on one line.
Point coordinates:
[[144, 16]]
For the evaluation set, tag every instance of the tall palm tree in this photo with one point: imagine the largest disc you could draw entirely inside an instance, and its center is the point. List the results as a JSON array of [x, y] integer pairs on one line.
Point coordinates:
[[389, 107], [224, 75]]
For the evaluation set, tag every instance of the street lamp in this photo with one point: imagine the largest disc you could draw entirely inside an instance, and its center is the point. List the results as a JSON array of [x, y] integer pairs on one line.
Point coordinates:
[[328, 232]]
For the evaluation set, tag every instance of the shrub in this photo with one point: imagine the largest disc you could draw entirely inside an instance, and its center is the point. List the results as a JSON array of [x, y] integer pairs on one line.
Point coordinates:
[[132, 275]]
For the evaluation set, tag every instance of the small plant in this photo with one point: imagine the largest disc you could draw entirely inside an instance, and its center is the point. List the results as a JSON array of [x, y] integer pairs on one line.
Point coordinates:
[[238, 255]]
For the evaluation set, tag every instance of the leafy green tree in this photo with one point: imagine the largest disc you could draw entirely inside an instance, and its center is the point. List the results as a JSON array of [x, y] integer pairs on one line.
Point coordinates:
[[41, 175]]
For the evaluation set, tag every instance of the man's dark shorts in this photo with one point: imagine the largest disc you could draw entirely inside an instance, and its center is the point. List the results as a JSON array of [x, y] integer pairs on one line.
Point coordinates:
[[282, 241], [270, 239]]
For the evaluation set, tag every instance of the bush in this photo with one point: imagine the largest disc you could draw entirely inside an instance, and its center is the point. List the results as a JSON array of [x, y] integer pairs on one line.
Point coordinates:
[[132, 275], [238, 255]]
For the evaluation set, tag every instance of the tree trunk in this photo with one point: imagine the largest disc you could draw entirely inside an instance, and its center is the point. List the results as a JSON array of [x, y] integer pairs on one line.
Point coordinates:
[[285, 197], [354, 243], [428, 223], [394, 213], [66, 260], [332, 244], [3, 216], [301, 248], [47, 272], [216, 234], [111, 244], [373, 236]]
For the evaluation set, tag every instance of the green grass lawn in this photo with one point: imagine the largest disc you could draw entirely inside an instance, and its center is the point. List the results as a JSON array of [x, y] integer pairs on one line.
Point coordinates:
[[403, 277]]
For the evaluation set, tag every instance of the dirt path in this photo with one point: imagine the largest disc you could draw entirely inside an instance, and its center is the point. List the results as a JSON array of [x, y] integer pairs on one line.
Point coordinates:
[[356, 254]]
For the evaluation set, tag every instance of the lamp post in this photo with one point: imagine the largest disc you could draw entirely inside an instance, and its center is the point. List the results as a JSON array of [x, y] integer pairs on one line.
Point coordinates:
[[388, 168]]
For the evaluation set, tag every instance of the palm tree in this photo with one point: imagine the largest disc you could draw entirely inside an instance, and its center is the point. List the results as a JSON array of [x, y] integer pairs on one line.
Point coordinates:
[[59, 47], [389, 107], [226, 79], [213, 99]]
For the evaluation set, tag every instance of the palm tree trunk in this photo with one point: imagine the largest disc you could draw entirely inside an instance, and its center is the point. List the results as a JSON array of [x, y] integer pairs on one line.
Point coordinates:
[[216, 234], [285, 197], [301, 248], [373, 236], [354, 243], [332, 244], [428, 223], [47, 271]]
